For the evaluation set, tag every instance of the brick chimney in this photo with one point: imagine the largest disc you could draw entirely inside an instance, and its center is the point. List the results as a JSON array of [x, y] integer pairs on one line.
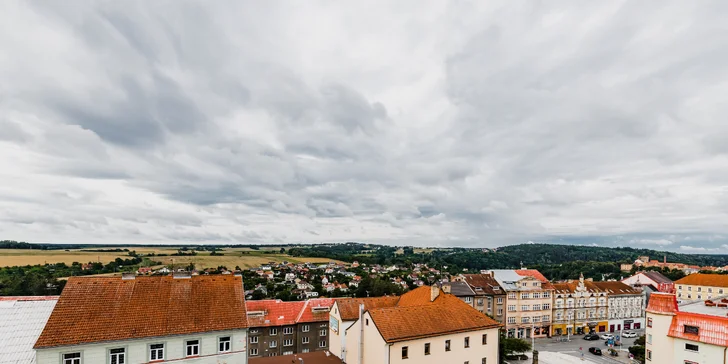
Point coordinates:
[[434, 292]]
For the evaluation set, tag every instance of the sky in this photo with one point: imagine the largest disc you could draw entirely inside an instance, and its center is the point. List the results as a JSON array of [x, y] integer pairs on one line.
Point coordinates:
[[437, 123]]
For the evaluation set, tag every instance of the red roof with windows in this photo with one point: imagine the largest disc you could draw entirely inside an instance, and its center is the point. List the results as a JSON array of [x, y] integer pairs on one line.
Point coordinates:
[[710, 329]]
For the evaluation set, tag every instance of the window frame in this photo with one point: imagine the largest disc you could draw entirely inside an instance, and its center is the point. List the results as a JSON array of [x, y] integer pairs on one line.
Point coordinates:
[[405, 352], [305, 340], [484, 339], [229, 342], [63, 359], [466, 342], [305, 328], [427, 349], [199, 347], [273, 331], [250, 353], [322, 343], [163, 348], [109, 354]]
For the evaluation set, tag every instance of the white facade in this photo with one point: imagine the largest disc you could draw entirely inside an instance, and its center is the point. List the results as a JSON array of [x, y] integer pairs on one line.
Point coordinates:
[[626, 312], [337, 332], [138, 350]]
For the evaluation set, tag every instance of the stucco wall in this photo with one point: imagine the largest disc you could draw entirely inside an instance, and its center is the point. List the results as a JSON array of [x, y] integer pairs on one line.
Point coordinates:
[[706, 353], [457, 354], [137, 351], [658, 342]]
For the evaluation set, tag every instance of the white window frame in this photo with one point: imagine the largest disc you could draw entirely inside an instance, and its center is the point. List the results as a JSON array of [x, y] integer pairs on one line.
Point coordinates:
[[254, 339], [188, 346], [74, 360], [156, 352], [120, 355], [253, 351], [306, 328], [220, 343], [323, 332], [322, 343], [305, 340], [287, 342], [273, 331], [288, 330], [273, 344]]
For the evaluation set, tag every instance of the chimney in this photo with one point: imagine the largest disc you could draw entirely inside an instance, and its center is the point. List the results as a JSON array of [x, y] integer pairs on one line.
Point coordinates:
[[664, 259], [128, 276], [446, 288], [434, 292], [535, 357]]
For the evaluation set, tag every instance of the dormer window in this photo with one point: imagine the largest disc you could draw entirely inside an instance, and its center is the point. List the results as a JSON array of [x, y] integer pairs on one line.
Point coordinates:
[[691, 330]]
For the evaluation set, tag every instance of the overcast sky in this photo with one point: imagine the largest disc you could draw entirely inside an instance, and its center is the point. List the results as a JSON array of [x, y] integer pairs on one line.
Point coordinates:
[[430, 123]]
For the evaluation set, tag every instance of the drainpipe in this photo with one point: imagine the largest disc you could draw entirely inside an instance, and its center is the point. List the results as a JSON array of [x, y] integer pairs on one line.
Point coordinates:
[[725, 356], [361, 333]]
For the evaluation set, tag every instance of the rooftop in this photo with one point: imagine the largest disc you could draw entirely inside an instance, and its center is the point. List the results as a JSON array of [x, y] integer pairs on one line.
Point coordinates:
[[700, 279], [656, 276], [710, 323], [98, 309], [705, 308], [317, 357], [485, 282], [21, 322], [264, 313], [616, 288], [459, 289], [349, 307]]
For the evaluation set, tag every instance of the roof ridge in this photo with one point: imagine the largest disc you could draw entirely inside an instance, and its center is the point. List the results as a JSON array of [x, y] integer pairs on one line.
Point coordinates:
[[300, 313]]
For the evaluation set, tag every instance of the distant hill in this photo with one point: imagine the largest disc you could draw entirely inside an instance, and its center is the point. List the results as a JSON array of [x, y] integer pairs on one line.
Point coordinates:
[[543, 254]]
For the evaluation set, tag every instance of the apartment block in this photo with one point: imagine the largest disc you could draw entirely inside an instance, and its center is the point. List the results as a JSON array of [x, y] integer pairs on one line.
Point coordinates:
[[529, 297], [489, 298], [698, 286]]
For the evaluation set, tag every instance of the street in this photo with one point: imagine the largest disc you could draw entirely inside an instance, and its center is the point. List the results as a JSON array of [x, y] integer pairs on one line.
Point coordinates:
[[576, 343]]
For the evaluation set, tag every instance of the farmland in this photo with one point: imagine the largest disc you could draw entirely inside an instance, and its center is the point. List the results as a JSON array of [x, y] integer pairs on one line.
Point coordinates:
[[232, 257]]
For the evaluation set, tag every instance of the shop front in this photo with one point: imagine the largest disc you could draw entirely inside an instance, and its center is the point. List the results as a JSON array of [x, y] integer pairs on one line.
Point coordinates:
[[526, 332], [626, 324]]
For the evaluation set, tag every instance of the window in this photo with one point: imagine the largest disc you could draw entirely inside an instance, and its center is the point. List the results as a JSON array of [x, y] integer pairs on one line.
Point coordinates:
[[288, 352], [323, 332], [524, 307], [273, 344], [484, 361], [500, 312], [273, 331], [468, 299], [223, 344], [525, 320], [500, 299], [306, 350], [546, 318], [535, 284], [512, 295], [305, 328], [367, 322], [427, 348], [649, 322], [72, 358], [480, 301], [546, 306], [467, 342], [253, 339], [404, 352], [288, 342], [691, 330], [537, 307], [720, 291], [524, 284], [322, 343], [690, 288], [511, 320], [648, 354], [304, 340], [679, 287], [546, 295], [691, 347], [710, 290], [287, 330], [485, 339], [524, 296], [193, 347], [156, 352], [447, 345], [700, 289], [253, 352], [511, 308], [536, 295], [117, 356]]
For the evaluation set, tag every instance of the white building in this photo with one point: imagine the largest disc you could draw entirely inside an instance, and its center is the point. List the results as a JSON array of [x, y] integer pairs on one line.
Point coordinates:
[[21, 321], [200, 319], [693, 333], [425, 325], [626, 306]]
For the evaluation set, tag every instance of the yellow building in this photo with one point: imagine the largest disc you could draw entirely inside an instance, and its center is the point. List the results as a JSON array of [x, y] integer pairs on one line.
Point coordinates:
[[697, 287]]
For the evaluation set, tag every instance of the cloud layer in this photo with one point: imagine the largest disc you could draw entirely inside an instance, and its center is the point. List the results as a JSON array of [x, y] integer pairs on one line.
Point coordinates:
[[446, 123]]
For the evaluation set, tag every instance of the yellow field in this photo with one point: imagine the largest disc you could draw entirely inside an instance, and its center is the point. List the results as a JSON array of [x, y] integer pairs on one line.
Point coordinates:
[[243, 257]]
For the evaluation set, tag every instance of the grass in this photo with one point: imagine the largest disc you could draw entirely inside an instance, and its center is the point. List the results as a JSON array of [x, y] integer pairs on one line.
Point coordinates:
[[243, 257]]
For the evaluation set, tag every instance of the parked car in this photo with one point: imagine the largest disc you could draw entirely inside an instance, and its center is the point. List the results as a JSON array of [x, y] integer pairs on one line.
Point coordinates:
[[607, 337], [629, 334], [595, 351], [591, 337]]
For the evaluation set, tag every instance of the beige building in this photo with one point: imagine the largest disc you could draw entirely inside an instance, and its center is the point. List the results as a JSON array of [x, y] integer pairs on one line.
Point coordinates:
[[425, 325], [580, 307], [699, 286], [692, 333], [489, 298], [529, 300]]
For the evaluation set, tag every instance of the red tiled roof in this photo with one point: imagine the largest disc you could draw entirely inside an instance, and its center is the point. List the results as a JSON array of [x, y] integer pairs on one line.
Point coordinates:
[[349, 307], [307, 314], [446, 315], [28, 298], [712, 329], [616, 288], [96, 309], [316, 357], [484, 281], [531, 273], [662, 303], [276, 312], [420, 296], [700, 279]]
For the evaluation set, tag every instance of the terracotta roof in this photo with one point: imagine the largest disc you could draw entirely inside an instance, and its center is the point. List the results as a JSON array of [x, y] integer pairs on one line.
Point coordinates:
[[570, 287], [419, 296], [349, 307], [711, 329], [531, 273], [316, 357], [311, 312], [459, 289], [486, 282], [616, 288], [275, 312], [657, 277], [446, 315], [97, 309], [700, 279], [662, 303]]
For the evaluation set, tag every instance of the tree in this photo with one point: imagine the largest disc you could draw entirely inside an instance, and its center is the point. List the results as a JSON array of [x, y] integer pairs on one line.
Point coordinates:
[[258, 295], [512, 345], [283, 250], [638, 350]]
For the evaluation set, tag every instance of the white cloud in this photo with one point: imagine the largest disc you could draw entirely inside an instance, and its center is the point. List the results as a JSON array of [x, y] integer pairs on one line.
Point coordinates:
[[392, 122]]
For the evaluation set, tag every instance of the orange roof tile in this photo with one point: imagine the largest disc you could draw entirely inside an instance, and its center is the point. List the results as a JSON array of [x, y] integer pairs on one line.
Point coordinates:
[[446, 315], [662, 303], [700, 279], [275, 312], [616, 288], [310, 312], [712, 329], [95, 309], [531, 273], [349, 307], [419, 296]]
